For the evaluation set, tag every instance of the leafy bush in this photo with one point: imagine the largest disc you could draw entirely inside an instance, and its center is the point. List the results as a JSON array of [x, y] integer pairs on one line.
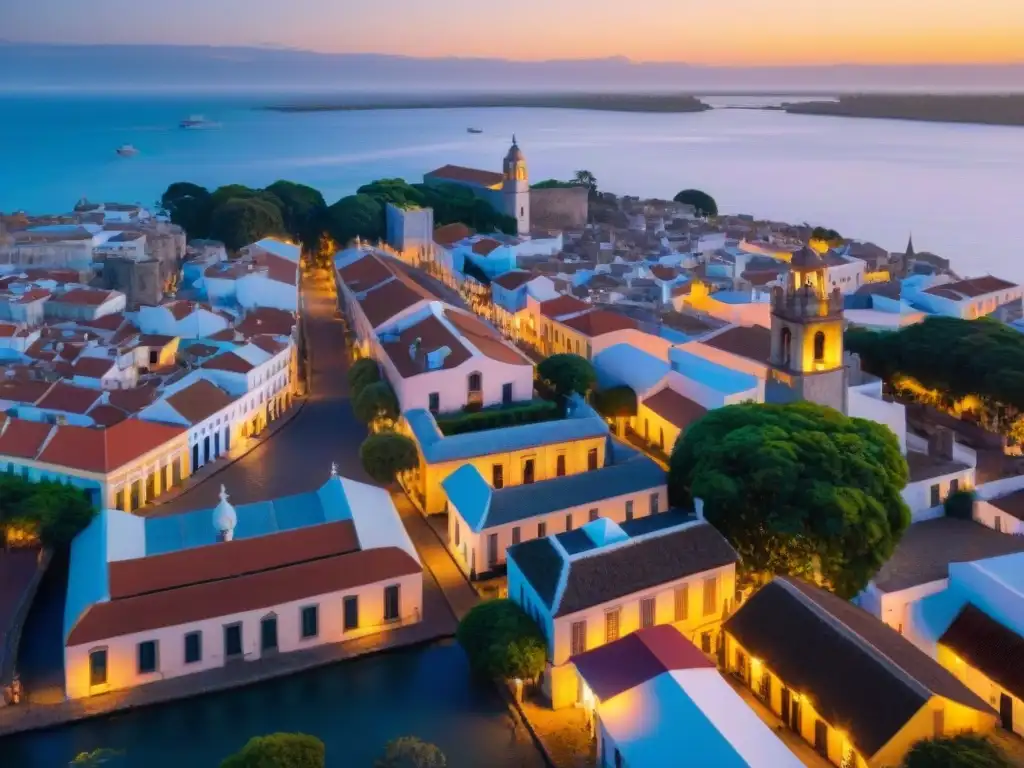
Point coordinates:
[[497, 417], [617, 402], [702, 202], [361, 373], [53, 512], [966, 750], [568, 373], [385, 454], [375, 402], [960, 505], [410, 752], [502, 641], [279, 750]]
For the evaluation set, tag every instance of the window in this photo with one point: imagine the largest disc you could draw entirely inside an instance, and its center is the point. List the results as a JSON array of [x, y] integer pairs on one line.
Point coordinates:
[[475, 381], [456, 533], [542, 530], [98, 667], [954, 486], [506, 394], [434, 402], [705, 642], [118, 500], [568, 522], [647, 612], [579, 637], [999, 523], [528, 471], [498, 476], [821, 737], [592, 459], [682, 599], [492, 550], [232, 640], [147, 657], [611, 626], [310, 621], [351, 610], [655, 499], [391, 603], [935, 495], [515, 535], [710, 595], [629, 510], [193, 647], [787, 339], [593, 515], [819, 347], [560, 465]]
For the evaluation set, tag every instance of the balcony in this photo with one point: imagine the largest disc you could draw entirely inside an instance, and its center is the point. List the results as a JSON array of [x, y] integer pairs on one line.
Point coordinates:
[[805, 304]]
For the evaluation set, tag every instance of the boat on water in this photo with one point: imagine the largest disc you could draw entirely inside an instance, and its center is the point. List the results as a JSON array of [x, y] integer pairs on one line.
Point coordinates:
[[197, 122], [474, 130], [127, 150]]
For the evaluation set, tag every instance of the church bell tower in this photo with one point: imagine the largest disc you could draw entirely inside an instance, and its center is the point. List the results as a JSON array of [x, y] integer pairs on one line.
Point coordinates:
[[516, 188], [807, 337]]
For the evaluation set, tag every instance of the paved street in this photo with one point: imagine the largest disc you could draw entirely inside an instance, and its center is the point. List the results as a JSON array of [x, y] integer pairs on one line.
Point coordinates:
[[299, 457]]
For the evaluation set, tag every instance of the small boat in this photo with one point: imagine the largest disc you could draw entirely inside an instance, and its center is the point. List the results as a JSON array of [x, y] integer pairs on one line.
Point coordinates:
[[474, 130], [127, 150], [196, 122]]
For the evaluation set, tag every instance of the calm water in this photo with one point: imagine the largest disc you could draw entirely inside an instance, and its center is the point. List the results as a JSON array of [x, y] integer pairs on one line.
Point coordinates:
[[354, 707], [958, 188]]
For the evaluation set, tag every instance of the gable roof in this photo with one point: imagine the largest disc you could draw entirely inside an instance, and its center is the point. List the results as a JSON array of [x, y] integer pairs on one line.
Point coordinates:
[[228, 361], [485, 246], [464, 175], [199, 401], [487, 341], [69, 398], [988, 646], [385, 301], [87, 296], [510, 281], [676, 409], [23, 439], [103, 450], [426, 336], [92, 367], [753, 342], [365, 272], [970, 288], [860, 673], [449, 234], [599, 322], [563, 305]]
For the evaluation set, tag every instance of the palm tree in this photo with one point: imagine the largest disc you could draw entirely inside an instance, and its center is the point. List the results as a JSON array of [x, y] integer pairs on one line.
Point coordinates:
[[586, 179]]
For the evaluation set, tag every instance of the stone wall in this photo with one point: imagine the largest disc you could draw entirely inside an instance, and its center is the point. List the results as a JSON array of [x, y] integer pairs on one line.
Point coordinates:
[[559, 208], [140, 281]]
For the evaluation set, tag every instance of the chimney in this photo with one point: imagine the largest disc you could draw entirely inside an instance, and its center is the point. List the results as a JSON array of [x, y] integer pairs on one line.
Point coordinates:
[[698, 508], [940, 444], [414, 348]]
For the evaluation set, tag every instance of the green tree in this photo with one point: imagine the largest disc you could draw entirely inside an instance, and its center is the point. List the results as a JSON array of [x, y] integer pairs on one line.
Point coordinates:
[[615, 402], [385, 454], [965, 750], [396, 191], [54, 511], [279, 750], [410, 752], [826, 235], [702, 202], [502, 641], [960, 504], [189, 206], [797, 489], [241, 221], [586, 179], [362, 373], [568, 373], [355, 216], [376, 402], [302, 210]]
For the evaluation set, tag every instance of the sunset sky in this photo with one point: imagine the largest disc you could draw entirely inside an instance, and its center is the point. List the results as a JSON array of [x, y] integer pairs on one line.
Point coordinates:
[[738, 32]]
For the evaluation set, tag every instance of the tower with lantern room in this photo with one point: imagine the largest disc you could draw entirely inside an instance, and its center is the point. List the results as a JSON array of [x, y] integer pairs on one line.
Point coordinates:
[[807, 360], [516, 188]]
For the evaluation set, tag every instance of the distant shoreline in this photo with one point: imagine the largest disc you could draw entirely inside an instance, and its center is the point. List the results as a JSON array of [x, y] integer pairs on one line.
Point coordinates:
[[1006, 110], [602, 102]]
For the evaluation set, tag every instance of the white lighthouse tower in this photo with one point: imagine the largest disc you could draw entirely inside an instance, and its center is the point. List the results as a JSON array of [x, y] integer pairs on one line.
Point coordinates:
[[516, 188]]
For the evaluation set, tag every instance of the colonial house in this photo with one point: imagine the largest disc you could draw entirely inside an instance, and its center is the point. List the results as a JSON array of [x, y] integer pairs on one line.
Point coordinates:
[[84, 304], [213, 417], [657, 701], [967, 299], [854, 688], [445, 359], [509, 294], [517, 455], [265, 275], [184, 319], [483, 522], [156, 598], [594, 584]]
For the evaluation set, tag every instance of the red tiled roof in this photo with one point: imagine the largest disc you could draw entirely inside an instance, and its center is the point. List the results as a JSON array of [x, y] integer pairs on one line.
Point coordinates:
[[229, 361], [93, 367], [451, 233], [7, 330], [223, 597], [105, 323], [386, 301], [971, 288], [676, 409], [68, 397], [23, 439], [87, 296], [753, 342], [279, 269], [365, 273], [662, 272], [459, 173], [155, 339], [276, 322], [199, 401], [563, 305], [432, 336], [104, 450], [600, 322], [510, 281], [180, 309], [132, 400], [228, 334], [24, 391], [107, 415], [490, 344], [485, 247], [640, 656]]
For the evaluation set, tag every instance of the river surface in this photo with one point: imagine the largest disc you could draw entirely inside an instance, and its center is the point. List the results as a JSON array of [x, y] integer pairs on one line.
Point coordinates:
[[958, 188]]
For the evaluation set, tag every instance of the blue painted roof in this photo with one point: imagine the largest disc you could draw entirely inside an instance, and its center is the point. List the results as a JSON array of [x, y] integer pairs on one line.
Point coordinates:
[[56, 228], [483, 507], [732, 297], [437, 448], [624, 364], [713, 375], [196, 529]]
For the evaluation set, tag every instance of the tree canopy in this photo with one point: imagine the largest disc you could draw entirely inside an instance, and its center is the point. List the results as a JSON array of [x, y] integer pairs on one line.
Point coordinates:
[[586, 179], [355, 216], [411, 752], [302, 210], [826, 235], [568, 373], [966, 750], [615, 402], [279, 750], [189, 206], [375, 402], [361, 373], [797, 489], [385, 454], [48, 512], [702, 202], [241, 221], [502, 641]]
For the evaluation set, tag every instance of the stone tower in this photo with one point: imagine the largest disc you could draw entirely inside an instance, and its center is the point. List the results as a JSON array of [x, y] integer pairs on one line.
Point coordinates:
[[516, 188], [807, 337]]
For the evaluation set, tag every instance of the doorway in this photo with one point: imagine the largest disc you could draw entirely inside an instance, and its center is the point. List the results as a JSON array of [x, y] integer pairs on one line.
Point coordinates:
[[784, 708], [268, 634], [1006, 711]]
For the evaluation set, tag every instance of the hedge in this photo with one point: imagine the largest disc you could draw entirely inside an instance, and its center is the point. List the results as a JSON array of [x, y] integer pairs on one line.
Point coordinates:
[[497, 417]]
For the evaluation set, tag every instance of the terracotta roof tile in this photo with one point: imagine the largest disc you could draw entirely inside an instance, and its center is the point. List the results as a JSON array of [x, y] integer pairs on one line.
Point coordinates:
[[510, 281], [268, 344], [563, 305], [22, 391], [199, 401], [107, 415], [459, 173], [105, 323], [86, 296], [485, 339], [675, 408], [155, 339], [23, 439], [600, 322], [228, 361], [384, 302], [93, 367], [132, 400], [451, 233], [485, 247], [265, 320], [753, 342], [68, 397], [104, 450], [433, 335], [365, 273]]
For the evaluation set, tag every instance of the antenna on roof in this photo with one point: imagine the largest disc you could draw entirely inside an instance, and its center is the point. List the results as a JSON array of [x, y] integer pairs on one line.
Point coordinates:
[[334, 469]]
